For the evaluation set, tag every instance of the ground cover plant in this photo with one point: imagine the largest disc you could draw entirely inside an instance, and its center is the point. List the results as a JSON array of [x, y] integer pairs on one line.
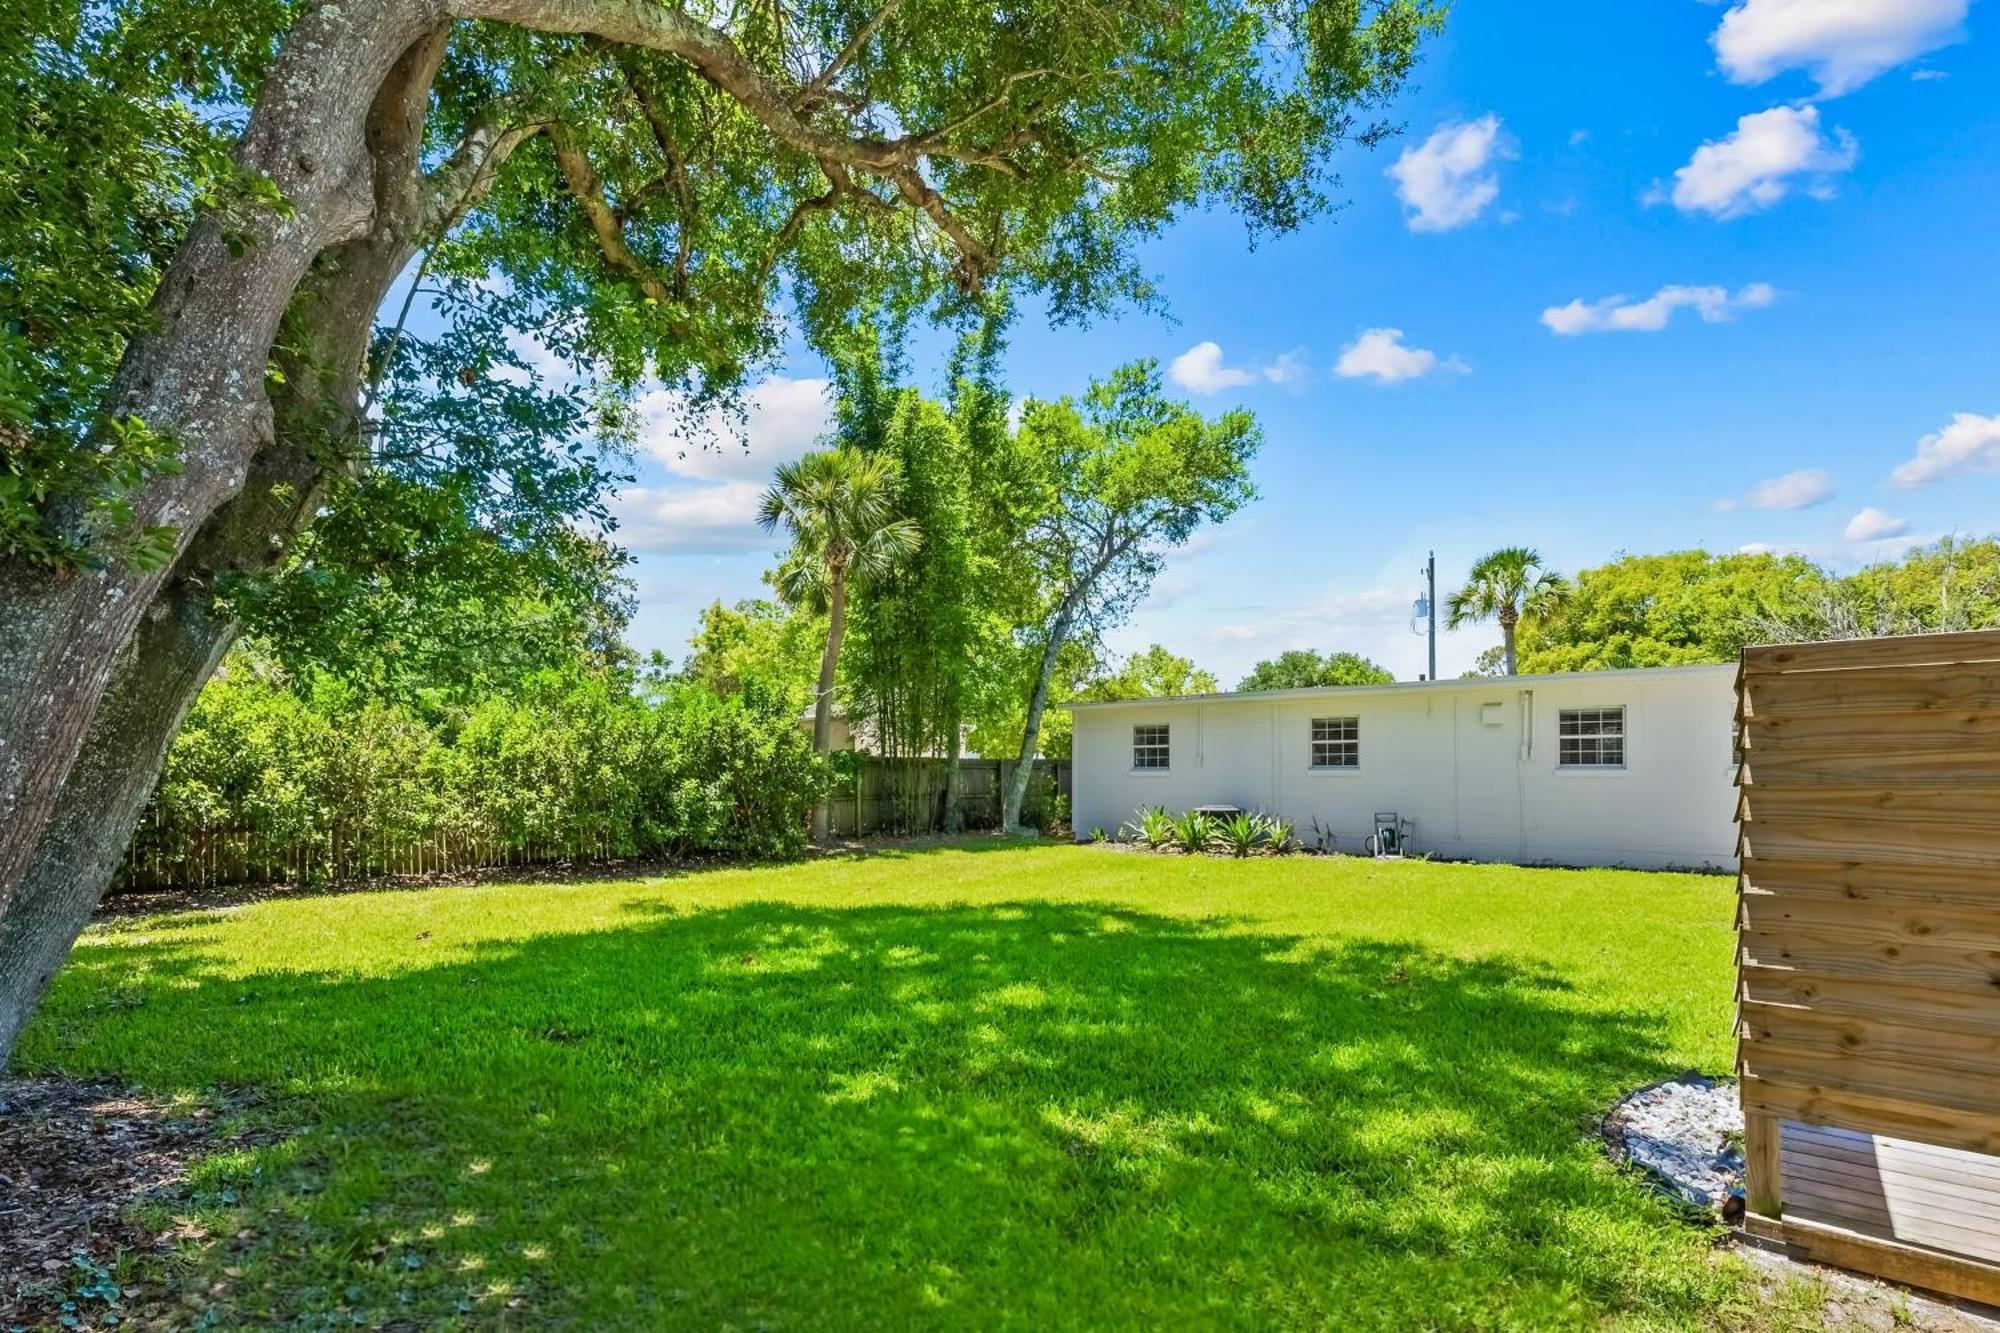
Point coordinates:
[[1000, 1084]]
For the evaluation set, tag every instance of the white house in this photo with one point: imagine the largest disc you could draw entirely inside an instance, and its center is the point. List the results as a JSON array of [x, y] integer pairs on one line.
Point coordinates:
[[1630, 768]]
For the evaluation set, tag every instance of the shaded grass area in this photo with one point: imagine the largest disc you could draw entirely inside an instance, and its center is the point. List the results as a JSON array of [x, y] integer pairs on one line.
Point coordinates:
[[998, 1085]]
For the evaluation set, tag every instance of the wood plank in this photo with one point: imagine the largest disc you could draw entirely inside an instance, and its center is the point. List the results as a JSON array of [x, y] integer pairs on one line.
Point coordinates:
[[1895, 1116], [1869, 1039], [1912, 1265], [1970, 766], [1841, 955], [1918, 689], [1866, 879], [1952, 1008], [1948, 1092], [1763, 1176], [1857, 731], [1872, 921], [1939, 1172], [1972, 1209], [1958, 1226], [1862, 654], [1897, 810], [1833, 840]]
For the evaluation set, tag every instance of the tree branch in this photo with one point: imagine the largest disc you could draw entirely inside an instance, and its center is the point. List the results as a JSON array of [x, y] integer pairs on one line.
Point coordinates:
[[653, 26], [816, 90], [589, 191]]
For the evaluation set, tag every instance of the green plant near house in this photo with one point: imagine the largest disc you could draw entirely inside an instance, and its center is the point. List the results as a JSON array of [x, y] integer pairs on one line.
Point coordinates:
[[1278, 834], [1150, 826], [1193, 832], [1240, 833]]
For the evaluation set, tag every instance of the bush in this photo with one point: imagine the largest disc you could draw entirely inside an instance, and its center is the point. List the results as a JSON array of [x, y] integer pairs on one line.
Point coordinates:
[[574, 765]]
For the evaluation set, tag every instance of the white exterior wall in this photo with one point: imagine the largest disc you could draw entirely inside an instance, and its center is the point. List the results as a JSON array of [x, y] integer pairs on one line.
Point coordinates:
[[1478, 787]]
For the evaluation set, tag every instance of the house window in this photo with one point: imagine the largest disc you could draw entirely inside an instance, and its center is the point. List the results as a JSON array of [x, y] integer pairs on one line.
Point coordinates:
[[1336, 742], [1149, 746], [1590, 738]]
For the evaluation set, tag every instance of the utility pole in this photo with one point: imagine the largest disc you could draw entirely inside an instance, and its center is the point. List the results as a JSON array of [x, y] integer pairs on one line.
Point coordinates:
[[1431, 601], [1426, 610]]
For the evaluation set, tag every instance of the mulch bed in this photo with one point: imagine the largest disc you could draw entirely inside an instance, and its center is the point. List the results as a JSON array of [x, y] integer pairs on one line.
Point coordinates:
[[74, 1158]]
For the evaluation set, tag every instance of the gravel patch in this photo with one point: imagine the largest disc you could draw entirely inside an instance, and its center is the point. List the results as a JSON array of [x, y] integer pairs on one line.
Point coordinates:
[[1686, 1134]]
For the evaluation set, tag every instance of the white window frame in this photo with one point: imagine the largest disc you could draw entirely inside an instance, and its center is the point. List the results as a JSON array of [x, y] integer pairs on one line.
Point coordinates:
[[1163, 746], [1350, 742], [1566, 764]]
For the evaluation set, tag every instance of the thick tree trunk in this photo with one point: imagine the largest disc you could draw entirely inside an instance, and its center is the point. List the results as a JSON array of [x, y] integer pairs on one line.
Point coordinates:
[[829, 660], [1031, 731], [1507, 624], [183, 636], [177, 647], [197, 375]]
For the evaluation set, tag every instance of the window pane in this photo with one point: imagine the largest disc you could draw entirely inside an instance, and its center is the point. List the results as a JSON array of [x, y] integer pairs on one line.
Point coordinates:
[[1336, 742], [1590, 737], [1150, 746]]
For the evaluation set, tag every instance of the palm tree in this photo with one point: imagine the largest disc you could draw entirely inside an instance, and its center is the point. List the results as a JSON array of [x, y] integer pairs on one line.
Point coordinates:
[[1507, 585], [840, 508]]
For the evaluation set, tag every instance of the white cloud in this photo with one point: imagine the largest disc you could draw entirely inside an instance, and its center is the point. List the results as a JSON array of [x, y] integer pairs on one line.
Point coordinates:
[[1795, 490], [1713, 304], [705, 519], [1381, 355], [1874, 525], [718, 463], [782, 419], [1201, 369], [1969, 445], [1927, 75], [1446, 181], [1289, 368], [1842, 44], [1755, 165]]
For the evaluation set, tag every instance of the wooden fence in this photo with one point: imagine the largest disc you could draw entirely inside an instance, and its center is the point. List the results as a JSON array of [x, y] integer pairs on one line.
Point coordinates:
[[1869, 959], [886, 796], [908, 795]]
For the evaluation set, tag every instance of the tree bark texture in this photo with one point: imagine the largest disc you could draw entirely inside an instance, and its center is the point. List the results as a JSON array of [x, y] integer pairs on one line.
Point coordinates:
[[198, 374], [316, 418], [1031, 730], [829, 661]]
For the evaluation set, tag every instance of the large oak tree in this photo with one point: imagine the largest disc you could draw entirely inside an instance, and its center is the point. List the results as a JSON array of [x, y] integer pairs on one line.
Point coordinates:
[[210, 208]]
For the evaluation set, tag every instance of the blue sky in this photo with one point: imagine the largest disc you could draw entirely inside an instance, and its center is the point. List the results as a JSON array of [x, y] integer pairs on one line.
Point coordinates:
[[1637, 277]]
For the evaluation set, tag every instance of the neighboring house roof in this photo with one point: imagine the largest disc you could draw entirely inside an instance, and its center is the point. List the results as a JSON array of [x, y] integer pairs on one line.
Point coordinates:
[[1406, 686]]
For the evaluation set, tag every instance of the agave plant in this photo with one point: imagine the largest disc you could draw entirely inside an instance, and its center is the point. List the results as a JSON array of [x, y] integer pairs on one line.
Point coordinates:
[[1193, 832], [1240, 833], [1277, 834], [1150, 826]]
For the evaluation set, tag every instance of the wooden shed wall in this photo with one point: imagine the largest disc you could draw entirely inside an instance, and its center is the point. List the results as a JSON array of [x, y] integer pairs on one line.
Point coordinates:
[[1869, 977]]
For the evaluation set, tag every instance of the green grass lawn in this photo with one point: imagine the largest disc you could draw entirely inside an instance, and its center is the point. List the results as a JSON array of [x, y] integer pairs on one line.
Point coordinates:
[[994, 1085]]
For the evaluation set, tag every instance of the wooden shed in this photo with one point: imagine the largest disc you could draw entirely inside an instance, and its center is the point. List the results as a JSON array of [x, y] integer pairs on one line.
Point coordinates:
[[1869, 960]]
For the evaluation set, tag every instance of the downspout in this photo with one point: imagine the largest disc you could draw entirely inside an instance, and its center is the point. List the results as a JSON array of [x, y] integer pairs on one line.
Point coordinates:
[[1526, 757]]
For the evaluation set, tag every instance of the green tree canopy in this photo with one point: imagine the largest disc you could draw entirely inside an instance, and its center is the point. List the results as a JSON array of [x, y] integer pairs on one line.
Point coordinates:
[[1122, 477], [1668, 610], [1510, 586], [1300, 668], [1153, 673]]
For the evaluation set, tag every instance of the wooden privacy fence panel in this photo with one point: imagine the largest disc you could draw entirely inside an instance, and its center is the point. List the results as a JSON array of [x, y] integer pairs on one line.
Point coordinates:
[[1869, 953], [886, 796], [908, 795]]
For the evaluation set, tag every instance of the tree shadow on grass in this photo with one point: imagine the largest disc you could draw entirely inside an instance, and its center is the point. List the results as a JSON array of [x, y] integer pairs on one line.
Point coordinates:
[[1025, 1115]]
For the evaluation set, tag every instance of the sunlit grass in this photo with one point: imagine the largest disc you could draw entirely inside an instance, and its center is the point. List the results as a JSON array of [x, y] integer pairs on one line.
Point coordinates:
[[1028, 1086]]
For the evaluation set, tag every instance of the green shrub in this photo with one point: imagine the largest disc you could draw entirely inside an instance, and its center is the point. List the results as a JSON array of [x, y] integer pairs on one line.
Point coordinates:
[[572, 765], [1193, 832], [1240, 833]]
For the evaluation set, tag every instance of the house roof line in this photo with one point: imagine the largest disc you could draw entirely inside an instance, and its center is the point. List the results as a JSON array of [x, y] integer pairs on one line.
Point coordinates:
[[1403, 686]]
